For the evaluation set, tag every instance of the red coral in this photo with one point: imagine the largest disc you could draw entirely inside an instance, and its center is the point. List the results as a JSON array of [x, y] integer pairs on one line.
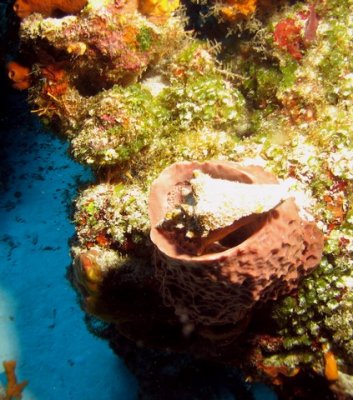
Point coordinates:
[[55, 80], [264, 259], [294, 35], [287, 36]]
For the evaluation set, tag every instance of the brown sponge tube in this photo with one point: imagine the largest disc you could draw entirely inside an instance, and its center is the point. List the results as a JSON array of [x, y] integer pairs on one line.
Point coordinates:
[[264, 259]]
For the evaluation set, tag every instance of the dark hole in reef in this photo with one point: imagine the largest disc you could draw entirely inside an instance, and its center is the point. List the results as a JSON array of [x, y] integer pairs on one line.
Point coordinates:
[[248, 283], [57, 13], [90, 82], [243, 233]]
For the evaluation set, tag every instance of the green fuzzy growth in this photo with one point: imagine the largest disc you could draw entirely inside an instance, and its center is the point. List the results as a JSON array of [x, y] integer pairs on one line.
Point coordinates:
[[193, 60], [204, 101], [319, 156], [112, 215], [272, 79], [261, 83], [198, 115], [188, 145], [123, 123], [341, 325], [322, 311], [145, 38], [288, 71], [290, 361], [190, 55], [337, 56], [199, 95]]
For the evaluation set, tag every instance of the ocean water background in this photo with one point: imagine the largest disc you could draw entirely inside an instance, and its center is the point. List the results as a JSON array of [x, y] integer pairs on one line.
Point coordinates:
[[41, 324]]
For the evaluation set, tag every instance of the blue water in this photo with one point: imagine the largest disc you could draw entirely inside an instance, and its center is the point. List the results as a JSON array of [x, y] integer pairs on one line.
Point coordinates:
[[41, 324]]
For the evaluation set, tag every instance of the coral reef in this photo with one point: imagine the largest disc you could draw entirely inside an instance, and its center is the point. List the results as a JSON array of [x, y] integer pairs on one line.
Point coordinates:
[[99, 47], [233, 269], [112, 215]]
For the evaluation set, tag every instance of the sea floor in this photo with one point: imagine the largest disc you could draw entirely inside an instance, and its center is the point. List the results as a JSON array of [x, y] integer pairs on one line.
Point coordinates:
[[41, 324]]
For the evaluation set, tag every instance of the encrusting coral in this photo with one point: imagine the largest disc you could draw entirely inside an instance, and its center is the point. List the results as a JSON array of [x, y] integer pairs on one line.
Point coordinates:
[[100, 48], [112, 215]]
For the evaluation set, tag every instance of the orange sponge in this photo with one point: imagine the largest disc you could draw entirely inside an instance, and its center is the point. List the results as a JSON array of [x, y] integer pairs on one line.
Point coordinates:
[[19, 74], [238, 8], [23, 8], [13, 389]]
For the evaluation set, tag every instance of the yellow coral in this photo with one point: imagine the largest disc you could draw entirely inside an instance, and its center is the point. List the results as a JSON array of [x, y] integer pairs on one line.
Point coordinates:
[[158, 8], [77, 48]]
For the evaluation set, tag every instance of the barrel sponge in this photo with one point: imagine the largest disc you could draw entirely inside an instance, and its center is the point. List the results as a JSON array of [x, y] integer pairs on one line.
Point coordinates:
[[264, 256], [23, 8]]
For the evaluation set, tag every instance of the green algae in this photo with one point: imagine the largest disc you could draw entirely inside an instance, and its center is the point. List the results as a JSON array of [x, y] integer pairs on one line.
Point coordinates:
[[111, 214]]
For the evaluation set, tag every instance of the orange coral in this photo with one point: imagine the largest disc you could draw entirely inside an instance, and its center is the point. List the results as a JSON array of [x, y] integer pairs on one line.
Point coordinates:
[[55, 78], [55, 85], [277, 373], [13, 388], [331, 370], [288, 36], [23, 8], [19, 74], [238, 8]]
